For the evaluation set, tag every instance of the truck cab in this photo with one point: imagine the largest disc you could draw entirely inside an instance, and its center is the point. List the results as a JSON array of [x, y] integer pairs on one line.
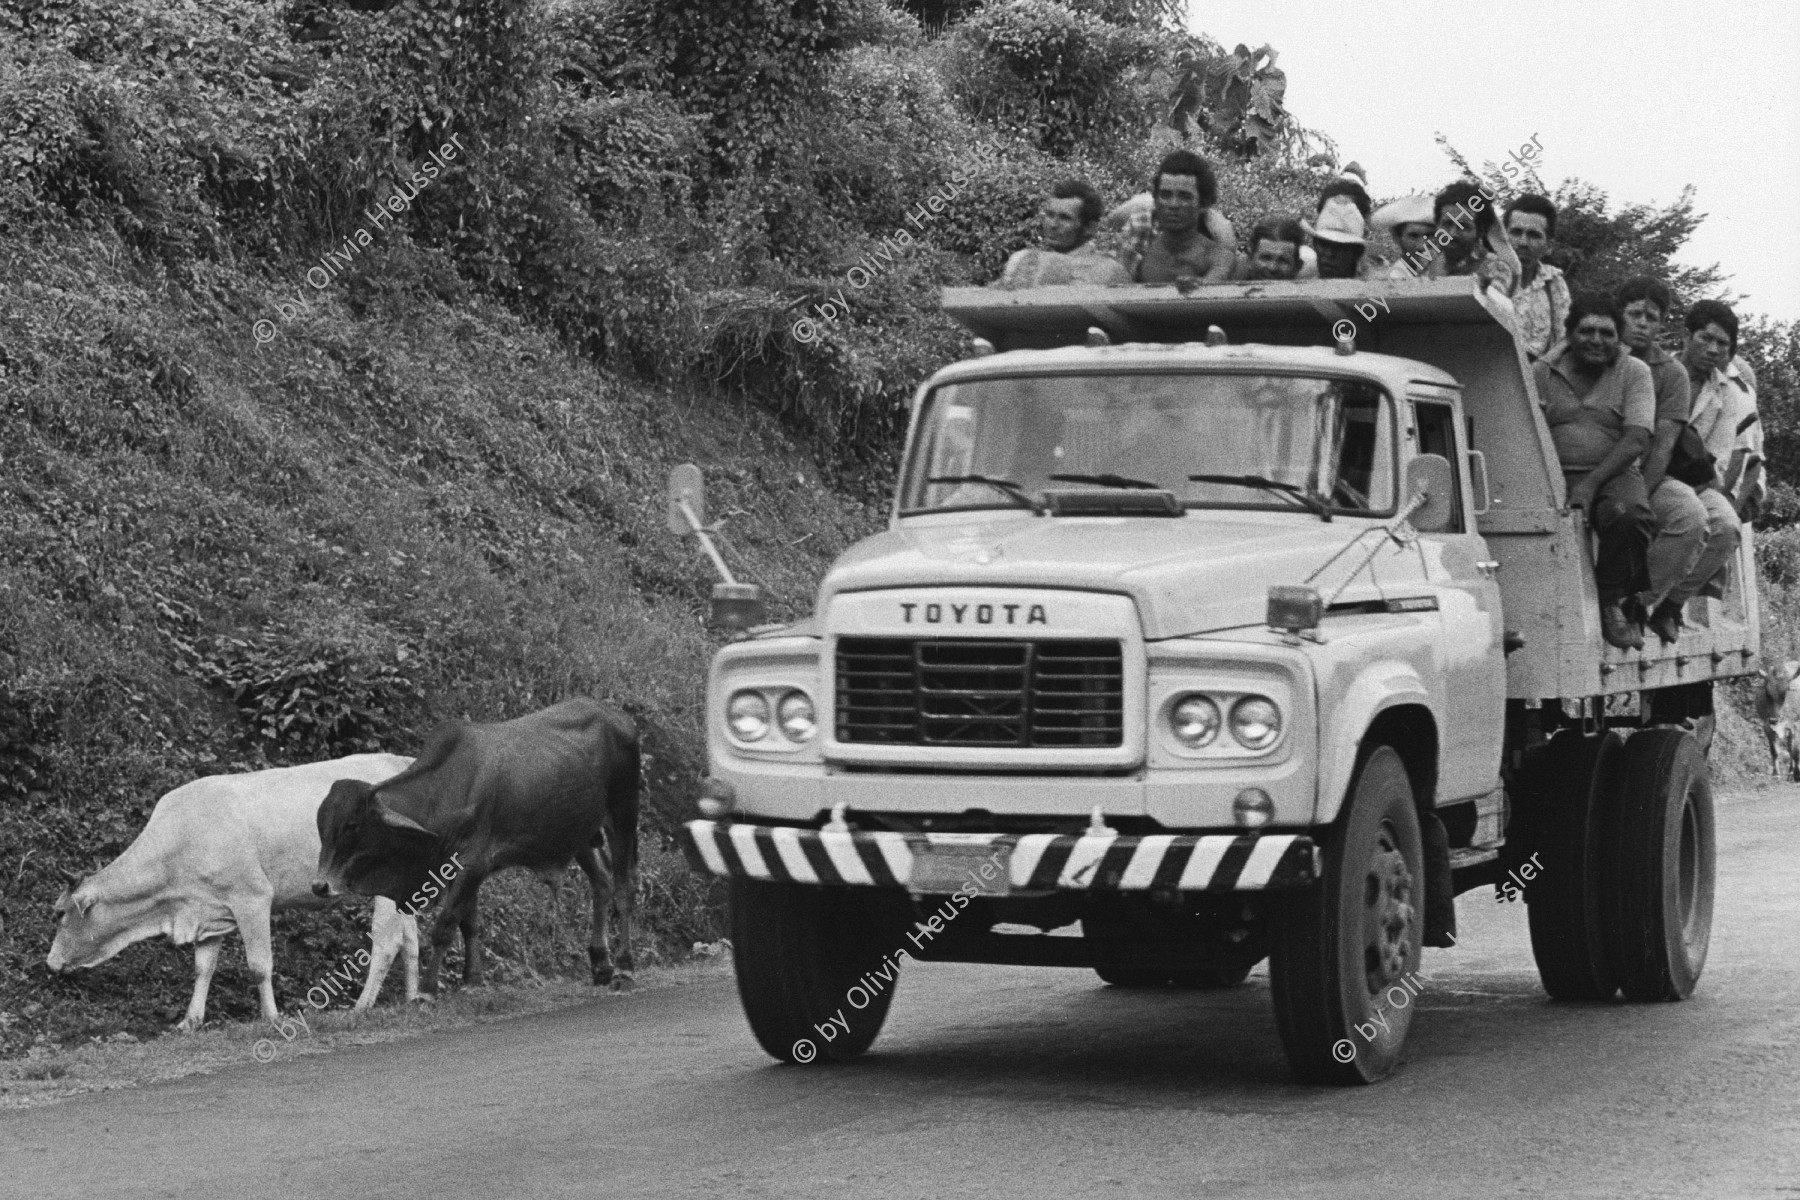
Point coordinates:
[[1211, 626]]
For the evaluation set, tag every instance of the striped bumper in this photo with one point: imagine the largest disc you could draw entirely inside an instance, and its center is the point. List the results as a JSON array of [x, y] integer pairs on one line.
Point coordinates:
[[1040, 862]]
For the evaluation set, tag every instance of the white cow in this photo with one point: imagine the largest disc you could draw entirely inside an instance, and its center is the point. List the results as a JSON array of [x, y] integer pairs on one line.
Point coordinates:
[[1778, 710], [222, 853]]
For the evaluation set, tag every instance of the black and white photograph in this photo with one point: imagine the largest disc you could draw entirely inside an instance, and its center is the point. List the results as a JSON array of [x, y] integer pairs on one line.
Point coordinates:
[[899, 599]]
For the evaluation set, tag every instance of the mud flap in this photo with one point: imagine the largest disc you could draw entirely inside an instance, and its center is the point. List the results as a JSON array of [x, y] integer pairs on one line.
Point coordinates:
[[1440, 887]]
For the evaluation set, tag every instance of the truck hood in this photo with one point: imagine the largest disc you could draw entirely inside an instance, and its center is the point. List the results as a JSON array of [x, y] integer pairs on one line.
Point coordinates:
[[1190, 575]]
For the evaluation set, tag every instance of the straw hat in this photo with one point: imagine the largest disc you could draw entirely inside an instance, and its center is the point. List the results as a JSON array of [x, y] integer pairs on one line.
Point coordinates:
[[1339, 221], [1409, 210]]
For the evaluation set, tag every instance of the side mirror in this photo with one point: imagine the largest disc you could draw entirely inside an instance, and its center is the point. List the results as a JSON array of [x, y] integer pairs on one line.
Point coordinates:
[[1478, 482], [687, 500], [1431, 475], [737, 606], [1293, 609]]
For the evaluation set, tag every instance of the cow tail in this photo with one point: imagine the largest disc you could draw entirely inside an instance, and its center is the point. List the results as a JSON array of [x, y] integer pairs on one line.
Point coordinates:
[[623, 791]]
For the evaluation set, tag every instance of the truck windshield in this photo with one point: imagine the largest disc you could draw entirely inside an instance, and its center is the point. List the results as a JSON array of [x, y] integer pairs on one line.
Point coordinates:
[[1288, 442]]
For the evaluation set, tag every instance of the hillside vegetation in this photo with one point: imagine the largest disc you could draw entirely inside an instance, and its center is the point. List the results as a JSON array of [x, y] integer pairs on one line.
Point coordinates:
[[305, 448]]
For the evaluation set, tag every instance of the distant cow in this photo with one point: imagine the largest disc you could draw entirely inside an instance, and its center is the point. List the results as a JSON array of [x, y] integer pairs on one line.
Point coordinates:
[[535, 792], [222, 853], [1778, 710]]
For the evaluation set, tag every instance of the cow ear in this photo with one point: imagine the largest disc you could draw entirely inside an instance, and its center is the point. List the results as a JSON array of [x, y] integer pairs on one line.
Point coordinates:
[[82, 903], [394, 820], [1790, 668]]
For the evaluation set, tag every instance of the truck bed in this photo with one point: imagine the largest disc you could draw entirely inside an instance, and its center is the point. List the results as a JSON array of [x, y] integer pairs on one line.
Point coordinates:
[[1546, 577]]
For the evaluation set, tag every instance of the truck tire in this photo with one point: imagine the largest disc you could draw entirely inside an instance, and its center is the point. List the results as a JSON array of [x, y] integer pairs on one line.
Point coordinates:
[[1662, 867], [1571, 796], [798, 951], [1339, 951]]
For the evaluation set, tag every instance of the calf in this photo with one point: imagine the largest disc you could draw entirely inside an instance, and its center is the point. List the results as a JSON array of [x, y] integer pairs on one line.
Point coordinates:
[[1778, 711], [223, 853], [535, 792]]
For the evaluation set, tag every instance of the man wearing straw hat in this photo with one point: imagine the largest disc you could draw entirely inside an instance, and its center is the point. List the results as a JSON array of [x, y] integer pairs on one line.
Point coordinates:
[[1410, 222]]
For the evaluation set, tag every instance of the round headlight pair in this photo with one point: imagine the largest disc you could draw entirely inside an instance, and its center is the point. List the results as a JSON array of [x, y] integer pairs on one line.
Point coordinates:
[[1255, 722], [748, 716]]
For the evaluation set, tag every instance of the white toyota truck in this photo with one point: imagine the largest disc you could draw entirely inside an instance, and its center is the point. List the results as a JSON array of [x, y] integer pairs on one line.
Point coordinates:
[[1211, 627]]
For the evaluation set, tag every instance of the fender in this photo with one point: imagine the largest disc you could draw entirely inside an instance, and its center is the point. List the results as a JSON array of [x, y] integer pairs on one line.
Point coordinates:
[[1375, 689]]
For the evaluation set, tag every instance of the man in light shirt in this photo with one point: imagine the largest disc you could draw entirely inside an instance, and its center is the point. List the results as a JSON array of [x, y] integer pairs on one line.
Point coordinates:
[[1066, 223], [1724, 408], [1541, 297]]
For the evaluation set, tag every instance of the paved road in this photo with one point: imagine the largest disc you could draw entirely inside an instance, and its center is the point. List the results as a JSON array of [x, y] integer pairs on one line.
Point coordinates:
[[998, 1082]]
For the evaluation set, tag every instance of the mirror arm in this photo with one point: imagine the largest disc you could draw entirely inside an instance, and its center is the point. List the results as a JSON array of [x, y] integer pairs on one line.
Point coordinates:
[[706, 543]]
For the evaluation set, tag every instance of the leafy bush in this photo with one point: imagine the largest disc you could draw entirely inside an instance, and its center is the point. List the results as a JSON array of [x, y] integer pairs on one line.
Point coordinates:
[[310, 702], [1055, 74], [28, 723]]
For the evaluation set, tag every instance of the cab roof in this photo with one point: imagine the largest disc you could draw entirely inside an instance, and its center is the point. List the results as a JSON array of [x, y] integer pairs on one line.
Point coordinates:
[[1393, 373]]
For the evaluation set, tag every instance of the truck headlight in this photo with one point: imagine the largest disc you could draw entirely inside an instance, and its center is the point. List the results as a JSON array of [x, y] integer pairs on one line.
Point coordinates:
[[748, 716], [1195, 722], [795, 715], [1255, 722]]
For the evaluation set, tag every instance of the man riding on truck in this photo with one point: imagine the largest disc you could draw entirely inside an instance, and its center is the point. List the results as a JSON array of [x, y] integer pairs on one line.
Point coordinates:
[[1600, 404]]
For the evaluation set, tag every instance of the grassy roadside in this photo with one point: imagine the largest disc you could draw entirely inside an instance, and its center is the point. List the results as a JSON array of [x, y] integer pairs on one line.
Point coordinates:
[[48, 1074], [219, 554]]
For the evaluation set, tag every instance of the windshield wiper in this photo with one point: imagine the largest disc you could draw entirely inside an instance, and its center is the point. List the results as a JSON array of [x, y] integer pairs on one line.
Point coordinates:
[[1299, 495], [1108, 479], [1004, 486]]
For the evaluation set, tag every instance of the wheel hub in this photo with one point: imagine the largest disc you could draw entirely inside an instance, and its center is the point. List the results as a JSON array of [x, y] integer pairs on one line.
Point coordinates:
[[1388, 914]]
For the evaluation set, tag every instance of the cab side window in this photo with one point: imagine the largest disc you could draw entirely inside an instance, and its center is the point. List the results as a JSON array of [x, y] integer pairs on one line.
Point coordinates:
[[1436, 424]]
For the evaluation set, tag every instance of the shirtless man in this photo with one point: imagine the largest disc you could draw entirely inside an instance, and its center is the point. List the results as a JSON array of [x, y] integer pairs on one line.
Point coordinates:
[[1181, 238]]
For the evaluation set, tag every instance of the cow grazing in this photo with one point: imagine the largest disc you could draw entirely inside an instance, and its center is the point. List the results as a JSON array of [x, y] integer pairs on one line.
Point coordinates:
[[218, 854], [1778, 711], [535, 792]]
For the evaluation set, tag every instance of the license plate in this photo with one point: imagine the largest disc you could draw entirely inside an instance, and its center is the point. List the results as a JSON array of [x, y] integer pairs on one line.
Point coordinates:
[[984, 868]]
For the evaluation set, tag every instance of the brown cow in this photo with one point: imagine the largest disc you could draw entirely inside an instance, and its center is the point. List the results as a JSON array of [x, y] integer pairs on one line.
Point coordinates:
[[535, 792]]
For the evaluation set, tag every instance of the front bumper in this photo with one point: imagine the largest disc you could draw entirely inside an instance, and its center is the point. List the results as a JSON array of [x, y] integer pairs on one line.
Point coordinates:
[[1038, 862]]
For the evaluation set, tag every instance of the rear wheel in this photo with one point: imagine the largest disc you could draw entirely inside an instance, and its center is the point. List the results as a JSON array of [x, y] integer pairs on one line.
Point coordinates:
[[1662, 867], [1341, 952], [1572, 795], [799, 951]]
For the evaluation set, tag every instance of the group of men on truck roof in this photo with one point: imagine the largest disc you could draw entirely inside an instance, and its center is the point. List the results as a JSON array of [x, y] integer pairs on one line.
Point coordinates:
[[1662, 451]]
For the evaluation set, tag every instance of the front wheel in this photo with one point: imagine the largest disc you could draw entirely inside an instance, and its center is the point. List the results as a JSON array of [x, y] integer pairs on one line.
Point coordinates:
[[816, 966], [1342, 952]]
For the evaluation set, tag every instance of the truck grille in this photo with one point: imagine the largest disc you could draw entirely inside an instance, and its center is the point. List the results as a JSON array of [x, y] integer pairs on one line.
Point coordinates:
[[905, 692]]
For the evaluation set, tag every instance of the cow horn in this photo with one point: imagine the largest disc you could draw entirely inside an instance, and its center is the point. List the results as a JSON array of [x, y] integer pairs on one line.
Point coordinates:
[[397, 820], [69, 877]]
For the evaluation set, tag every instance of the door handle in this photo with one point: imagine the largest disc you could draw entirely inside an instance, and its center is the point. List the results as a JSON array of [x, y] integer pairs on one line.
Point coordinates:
[[1487, 566]]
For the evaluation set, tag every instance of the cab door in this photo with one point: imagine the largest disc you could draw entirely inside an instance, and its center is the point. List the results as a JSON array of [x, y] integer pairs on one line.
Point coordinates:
[[1471, 656]]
